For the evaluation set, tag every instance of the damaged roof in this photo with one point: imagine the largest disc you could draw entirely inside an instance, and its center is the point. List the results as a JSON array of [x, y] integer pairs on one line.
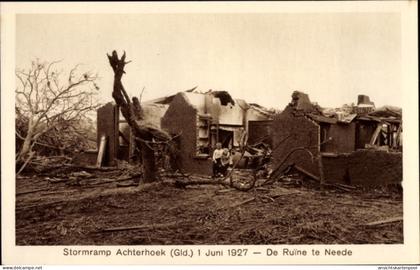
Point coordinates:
[[301, 103]]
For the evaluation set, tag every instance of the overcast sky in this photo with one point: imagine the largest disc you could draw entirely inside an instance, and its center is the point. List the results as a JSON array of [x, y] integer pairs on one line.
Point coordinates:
[[261, 58]]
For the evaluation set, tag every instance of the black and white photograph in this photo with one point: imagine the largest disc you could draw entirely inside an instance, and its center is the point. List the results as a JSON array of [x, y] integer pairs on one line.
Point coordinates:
[[210, 128]]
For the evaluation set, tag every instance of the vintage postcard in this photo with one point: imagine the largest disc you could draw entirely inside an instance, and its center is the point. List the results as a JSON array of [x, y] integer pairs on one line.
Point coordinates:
[[209, 133]]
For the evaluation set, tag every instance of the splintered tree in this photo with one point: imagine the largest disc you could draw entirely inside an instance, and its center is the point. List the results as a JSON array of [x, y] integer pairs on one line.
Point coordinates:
[[145, 136], [47, 100]]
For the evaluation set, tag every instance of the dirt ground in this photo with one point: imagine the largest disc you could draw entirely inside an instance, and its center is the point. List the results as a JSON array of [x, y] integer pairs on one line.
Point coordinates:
[[90, 209]]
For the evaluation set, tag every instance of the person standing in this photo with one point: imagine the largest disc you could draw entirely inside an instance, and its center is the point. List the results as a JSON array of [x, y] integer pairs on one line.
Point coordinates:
[[225, 161], [217, 159]]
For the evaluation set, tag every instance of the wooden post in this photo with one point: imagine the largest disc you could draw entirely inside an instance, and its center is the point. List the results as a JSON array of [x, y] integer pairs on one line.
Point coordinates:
[[397, 137], [376, 134], [321, 172], [101, 151], [131, 146]]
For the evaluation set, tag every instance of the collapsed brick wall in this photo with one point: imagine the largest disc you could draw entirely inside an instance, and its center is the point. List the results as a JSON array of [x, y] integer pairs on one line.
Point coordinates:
[[303, 131], [181, 117], [364, 167]]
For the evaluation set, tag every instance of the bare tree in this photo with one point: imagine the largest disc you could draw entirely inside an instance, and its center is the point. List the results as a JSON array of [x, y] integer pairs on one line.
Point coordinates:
[[46, 98]]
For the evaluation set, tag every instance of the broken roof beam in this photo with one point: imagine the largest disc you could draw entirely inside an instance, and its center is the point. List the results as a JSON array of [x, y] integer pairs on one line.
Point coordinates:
[[376, 134]]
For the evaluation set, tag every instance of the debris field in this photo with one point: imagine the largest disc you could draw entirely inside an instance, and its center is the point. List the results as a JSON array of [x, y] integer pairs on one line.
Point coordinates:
[[70, 206]]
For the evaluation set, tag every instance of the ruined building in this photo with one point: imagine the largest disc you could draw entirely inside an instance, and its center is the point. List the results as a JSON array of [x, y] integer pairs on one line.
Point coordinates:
[[202, 120], [119, 138], [198, 120], [358, 144]]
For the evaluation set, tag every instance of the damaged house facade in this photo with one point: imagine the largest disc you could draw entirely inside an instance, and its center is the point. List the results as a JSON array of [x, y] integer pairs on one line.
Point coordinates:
[[358, 145], [118, 134], [203, 119], [197, 120]]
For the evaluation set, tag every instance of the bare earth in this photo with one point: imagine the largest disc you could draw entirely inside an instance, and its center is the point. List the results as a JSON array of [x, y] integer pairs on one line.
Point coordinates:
[[94, 211]]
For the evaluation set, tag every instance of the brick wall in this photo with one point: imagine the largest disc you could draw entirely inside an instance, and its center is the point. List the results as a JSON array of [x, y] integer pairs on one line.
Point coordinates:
[[343, 138], [260, 131], [107, 125], [181, 117], [304, 133], [364, 167]]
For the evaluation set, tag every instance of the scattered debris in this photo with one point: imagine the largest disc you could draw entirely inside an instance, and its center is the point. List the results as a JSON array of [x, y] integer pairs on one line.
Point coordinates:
[[242, 203], [273, 214], [338, 149], [340, 143], [141, 227]]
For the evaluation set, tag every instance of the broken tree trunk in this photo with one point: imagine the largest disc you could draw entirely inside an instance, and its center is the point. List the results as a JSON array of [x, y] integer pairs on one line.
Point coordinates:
[[130, 111], [149, 164]]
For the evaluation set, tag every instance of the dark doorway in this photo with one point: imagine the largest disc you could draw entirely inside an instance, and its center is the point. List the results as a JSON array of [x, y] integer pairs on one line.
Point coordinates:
[[226, 138]]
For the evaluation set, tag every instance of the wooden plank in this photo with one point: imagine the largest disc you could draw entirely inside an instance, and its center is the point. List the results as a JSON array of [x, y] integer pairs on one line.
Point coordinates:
[[385, 221], [300, 169], [397, 137], [375, 134], [101, 151], [323, 119]]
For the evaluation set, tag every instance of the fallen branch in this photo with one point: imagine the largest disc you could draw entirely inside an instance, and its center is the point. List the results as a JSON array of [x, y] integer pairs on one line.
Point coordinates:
[[384, 221], [140, 227], [92, 168], [71, 199], [114, 180]]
